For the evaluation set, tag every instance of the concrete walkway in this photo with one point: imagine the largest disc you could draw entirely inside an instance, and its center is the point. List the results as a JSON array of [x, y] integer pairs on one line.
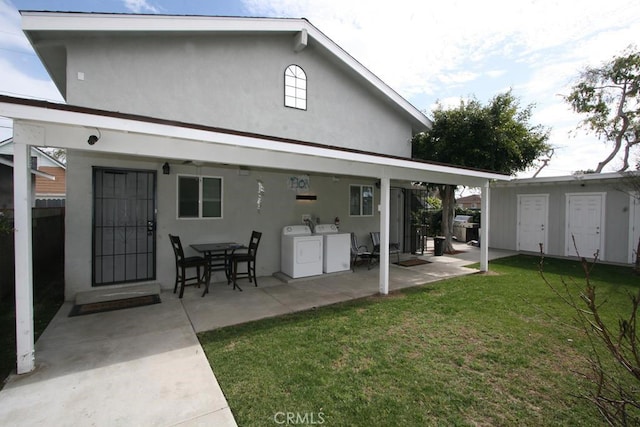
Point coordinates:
[[136, 367], [145, 367]]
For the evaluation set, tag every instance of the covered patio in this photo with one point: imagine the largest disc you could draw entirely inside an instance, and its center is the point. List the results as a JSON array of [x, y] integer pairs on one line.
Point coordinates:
[[273, 297], [128, 138]]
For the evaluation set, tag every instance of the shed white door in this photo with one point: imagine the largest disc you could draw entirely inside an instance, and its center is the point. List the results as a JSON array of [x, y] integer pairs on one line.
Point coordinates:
[[585, 224], [533, 215], [634, 227]]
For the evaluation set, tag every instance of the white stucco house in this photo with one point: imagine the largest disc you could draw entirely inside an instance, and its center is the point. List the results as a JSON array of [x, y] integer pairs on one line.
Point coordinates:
[[598, 210], [239, 109]]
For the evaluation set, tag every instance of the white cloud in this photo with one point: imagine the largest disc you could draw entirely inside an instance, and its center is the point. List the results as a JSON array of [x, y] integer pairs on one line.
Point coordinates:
[[458, 77], [494, 74], [414, 43], [141, 6], [12, 38], [19, 83]]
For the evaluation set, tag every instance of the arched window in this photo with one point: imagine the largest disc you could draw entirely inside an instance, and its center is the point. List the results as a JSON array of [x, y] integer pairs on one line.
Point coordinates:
[[295, 87]]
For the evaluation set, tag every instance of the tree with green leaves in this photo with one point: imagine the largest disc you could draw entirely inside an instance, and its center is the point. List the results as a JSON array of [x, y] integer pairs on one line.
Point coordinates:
[[496, 137], [608, 98]]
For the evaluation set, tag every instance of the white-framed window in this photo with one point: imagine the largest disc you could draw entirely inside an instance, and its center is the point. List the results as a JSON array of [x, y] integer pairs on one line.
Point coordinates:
[[295, 87], [199, 196], [360, 200]]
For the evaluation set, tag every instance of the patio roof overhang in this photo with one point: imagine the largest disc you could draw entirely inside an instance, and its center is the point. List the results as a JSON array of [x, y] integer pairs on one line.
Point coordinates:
[[42, 124], [46, 124]]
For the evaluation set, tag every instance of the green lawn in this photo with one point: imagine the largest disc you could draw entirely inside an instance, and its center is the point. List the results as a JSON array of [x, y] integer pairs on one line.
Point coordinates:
[[476, 350]]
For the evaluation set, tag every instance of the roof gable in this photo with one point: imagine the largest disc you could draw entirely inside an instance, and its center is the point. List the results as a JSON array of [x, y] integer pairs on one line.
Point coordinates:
[[44, 28]]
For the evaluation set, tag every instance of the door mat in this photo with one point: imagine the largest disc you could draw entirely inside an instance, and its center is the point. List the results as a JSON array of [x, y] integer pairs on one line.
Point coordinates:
[[119, 304], [412, 262]]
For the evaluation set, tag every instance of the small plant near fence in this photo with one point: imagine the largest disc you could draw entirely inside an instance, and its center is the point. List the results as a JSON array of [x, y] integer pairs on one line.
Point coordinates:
[[6, 224]]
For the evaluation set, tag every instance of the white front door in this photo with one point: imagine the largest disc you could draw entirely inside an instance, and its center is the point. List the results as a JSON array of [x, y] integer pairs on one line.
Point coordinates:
[[585, 225], [533, 216], [634, 227]]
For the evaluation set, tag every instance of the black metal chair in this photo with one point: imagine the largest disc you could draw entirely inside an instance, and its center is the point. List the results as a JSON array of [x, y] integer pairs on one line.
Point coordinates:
[[248, 257], [394, 248], [183, 263], [358, 252]]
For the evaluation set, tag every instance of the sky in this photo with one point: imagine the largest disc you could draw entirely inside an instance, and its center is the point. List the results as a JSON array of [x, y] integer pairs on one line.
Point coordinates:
[[428, 51]]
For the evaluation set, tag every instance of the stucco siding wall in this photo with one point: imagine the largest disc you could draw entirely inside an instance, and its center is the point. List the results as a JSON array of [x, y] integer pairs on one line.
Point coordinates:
[[502, 219], [279, 208], [618, 231], [503, 226], [236, 83]]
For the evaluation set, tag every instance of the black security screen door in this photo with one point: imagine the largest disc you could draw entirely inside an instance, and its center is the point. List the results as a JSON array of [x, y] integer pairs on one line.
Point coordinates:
[[124, 237]]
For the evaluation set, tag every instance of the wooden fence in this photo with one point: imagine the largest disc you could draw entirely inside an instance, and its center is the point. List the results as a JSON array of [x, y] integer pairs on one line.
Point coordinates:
[[48, 252]]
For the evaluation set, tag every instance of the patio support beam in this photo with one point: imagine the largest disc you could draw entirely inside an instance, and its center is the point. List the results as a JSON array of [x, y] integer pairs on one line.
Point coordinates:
[[25, 349], [385, 193], [484, 227]]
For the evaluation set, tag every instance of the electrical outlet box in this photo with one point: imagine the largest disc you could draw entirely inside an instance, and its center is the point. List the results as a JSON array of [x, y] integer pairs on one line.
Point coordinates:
[[306, 217]]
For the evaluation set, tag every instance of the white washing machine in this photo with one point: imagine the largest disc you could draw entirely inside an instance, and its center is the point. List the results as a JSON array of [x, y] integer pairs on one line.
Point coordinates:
[[336, 252], [301, 252]]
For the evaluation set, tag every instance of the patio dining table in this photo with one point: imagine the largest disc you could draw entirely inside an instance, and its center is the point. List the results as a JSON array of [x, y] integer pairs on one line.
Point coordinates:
[[218, 255]]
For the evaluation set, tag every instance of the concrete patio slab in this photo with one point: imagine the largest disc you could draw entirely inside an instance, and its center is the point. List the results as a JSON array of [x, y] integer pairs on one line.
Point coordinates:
[[139, 366], [273, 297]]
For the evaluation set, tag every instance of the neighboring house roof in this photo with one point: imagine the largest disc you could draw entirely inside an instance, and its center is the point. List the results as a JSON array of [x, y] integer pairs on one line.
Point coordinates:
[[469, 202], [566, 179], [33, 171], [50, 173], [43, 27], [474, 198], [44, 159]]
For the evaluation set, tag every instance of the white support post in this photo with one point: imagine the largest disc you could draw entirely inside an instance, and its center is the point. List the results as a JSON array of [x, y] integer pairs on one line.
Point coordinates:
[[385, 192], [484, 228], [25, 349]]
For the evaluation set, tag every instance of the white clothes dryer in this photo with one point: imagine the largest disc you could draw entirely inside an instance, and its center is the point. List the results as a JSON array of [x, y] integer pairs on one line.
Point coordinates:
[[301, 252], [336, 252]]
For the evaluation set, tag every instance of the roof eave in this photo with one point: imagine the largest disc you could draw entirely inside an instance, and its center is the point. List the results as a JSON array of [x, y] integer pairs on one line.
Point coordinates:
[[334, 159]]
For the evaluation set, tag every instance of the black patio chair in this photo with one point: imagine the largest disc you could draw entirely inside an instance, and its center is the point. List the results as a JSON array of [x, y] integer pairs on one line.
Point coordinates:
[[184, 263], [248, 257], [358, 252], [394, 248]]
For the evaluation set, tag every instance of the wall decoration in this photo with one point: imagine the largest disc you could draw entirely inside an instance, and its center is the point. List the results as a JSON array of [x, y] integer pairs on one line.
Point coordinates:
[[299, 183], [260, 194]]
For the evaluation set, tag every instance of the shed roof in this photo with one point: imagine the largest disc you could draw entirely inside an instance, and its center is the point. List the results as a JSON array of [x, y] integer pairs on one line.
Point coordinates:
[[566, 179]]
